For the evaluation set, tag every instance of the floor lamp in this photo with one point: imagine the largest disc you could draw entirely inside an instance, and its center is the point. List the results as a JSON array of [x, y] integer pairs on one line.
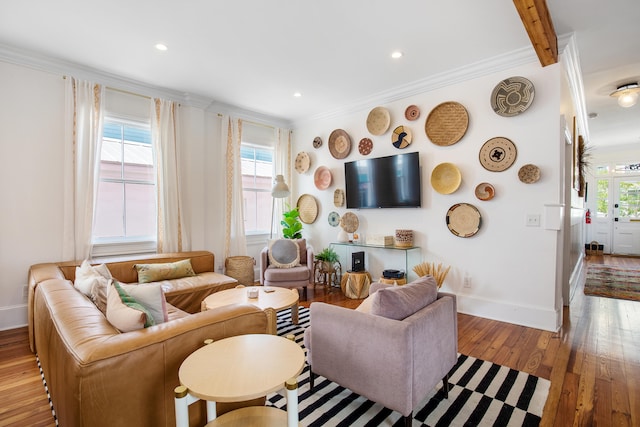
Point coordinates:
[[280, 190]]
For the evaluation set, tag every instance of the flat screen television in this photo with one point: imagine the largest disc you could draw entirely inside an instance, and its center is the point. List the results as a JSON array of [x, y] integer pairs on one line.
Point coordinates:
[[384, 182]]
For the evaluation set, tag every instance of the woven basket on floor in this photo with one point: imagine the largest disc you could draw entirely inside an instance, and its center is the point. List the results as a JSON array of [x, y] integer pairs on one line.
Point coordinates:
[[240, 268]]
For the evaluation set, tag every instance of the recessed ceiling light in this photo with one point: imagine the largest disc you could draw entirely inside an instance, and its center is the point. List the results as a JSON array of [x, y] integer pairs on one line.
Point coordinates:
[[297, 94], [161, 46], [397, 54]]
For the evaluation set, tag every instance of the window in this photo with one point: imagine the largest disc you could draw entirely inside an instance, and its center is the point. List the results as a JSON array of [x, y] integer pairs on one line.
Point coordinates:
[[603, 198], [257, 173], [126, 207]]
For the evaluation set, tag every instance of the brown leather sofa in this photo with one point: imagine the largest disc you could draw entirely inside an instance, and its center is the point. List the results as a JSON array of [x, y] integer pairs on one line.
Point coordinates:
[[98, 376]]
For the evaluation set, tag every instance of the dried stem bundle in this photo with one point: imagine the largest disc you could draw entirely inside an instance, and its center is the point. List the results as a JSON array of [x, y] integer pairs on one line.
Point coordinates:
[[430, 268]]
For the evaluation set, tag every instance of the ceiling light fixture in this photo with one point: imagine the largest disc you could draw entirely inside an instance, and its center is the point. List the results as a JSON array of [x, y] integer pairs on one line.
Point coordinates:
[[160, 46], [627, 94], [297, 94], [397, 54]]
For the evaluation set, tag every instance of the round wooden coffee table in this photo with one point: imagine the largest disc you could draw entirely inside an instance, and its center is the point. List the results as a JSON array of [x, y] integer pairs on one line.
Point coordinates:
[[228, 371], [274, 298]]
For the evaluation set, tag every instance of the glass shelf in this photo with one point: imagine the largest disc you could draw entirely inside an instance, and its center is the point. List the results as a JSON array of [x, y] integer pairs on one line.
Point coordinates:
[[378, 259]]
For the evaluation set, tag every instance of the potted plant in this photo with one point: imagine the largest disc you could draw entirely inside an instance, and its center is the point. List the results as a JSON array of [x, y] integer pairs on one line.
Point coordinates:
[[291, 224], [328, 257]]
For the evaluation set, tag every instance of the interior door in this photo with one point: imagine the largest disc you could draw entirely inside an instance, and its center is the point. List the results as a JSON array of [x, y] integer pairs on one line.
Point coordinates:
[[626, 216]]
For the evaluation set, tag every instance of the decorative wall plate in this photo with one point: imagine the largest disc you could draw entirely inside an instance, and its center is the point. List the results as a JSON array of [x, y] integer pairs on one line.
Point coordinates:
[[447, 123], [401, 137], [349, 222], [446, 178], [334, 219], [322, 178], [529, 174], [308, 208], [317, 142], [463, 220], [338, 198], [302, 162], [365, 146], [412, 112], [512, 96], [485, 191], [378, 121], [498, 154], [339, 144]]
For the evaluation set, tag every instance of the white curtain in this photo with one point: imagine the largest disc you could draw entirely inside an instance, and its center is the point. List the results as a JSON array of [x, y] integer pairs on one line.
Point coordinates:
[[282, 166], [172, 235], [235, 242], [83, 141]]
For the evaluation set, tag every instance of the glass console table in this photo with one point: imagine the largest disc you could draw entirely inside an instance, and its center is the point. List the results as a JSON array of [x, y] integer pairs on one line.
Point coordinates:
[[379, 258]]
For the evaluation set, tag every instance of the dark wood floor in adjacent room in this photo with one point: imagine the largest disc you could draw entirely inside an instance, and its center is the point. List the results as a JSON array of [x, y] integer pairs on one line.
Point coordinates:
[[593, 362]]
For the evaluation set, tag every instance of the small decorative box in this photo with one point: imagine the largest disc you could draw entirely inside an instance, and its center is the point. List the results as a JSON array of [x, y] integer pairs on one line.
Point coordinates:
[[379, 240]]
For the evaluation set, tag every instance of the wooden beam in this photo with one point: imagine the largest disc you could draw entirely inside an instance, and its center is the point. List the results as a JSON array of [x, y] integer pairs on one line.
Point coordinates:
[[537, 21]]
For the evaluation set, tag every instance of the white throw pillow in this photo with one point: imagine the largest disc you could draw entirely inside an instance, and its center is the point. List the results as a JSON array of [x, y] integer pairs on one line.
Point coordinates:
[[151, 297], [87, 276], [125, 318]]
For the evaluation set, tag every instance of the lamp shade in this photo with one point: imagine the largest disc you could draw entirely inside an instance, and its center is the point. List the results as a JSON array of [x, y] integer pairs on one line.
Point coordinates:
[[280, 188], [627, 94]]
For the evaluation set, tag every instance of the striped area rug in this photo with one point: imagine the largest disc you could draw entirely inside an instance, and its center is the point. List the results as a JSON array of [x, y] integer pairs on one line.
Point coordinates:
[[480, 394]]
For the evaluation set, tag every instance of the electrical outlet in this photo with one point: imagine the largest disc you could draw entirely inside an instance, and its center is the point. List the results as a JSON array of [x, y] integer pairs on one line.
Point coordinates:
[[533, 220], [25, 293], [467, 281]]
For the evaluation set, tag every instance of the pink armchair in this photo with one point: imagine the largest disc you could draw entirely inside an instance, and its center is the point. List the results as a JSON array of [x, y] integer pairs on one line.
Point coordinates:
[[393, 351], [299, 276]]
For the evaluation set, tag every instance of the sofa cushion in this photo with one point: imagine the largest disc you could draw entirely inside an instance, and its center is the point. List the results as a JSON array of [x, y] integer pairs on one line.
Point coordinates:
[[124, 312], [293, 274], [400, 302], [164, 271], [87, 276], [284, 253], [151, 297], [302, 245]]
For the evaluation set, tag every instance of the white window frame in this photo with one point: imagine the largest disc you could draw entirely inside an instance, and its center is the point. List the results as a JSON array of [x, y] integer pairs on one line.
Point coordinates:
[[258, 190]]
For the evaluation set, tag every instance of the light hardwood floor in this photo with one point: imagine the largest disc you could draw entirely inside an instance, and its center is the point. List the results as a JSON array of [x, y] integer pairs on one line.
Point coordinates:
[[593, 362]]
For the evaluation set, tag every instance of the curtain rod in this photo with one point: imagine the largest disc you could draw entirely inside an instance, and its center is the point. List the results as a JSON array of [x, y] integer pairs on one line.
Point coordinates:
[[252, 122]]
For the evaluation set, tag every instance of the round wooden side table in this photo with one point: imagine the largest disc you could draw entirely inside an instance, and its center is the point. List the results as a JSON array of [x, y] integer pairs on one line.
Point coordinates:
[[355, 284]]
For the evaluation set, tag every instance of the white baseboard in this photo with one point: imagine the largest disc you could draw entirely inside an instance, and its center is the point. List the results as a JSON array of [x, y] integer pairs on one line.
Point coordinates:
[[13, 316], [529, 316]]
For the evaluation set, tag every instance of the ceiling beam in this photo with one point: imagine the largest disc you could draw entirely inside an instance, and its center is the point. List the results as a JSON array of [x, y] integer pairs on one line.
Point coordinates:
[[537, 21]]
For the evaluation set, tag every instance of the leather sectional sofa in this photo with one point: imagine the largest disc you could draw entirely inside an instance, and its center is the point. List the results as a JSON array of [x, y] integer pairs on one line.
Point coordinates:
[[99, 376]]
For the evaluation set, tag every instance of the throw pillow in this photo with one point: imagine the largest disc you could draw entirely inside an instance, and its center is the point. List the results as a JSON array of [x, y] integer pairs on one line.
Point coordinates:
[[365, 306], [87, 276], [284, 253], [302, 245], [400, 302], [151, 297], [124, 312], [148, 273]]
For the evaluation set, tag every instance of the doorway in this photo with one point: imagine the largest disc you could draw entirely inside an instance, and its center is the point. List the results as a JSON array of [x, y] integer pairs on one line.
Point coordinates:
[[617, 215]]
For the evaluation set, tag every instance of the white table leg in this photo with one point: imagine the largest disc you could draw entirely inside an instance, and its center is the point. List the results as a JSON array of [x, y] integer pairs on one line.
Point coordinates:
[[211, 410], [292, 402]]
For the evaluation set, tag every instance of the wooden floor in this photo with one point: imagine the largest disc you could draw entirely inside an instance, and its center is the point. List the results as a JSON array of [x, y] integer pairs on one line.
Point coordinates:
[[593, 362]]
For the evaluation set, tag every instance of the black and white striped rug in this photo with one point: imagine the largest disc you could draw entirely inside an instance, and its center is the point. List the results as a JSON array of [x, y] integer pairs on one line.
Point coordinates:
[[480, 394]]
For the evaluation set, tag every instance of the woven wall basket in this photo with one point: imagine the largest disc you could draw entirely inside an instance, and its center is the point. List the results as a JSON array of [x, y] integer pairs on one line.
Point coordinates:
[[240, 268]]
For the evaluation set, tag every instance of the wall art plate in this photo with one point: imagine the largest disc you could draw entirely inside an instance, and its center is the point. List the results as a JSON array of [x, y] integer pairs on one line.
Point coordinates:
[[446, 178], [308, 208], [334, 219], [529, 174], [412, 112], [378, 121], [401, 137], [322, 178], [317, 142], [349, 222], [463, 219], [485, 191], [365, 146], [447, 123], [512, 96], [302, 162], [498, 154], [339, 144], [338, 198]]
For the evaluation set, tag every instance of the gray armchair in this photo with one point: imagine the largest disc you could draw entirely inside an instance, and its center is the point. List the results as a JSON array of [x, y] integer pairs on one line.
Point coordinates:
[[298, 276], [394, 360]]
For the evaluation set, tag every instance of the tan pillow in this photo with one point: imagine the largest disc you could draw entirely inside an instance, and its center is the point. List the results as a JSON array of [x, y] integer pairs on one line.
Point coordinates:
[[148, 273], [124, 313], [151, 297]]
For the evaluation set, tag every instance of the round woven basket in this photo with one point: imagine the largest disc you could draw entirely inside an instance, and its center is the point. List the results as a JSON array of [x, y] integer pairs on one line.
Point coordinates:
[[447, 123], [240, 268]]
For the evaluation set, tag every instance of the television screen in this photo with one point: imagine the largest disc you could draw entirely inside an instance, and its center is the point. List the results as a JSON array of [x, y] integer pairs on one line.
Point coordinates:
[[384, 182]]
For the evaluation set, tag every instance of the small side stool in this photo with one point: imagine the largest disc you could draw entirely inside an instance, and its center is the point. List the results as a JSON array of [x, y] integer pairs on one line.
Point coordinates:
[[355, 284]]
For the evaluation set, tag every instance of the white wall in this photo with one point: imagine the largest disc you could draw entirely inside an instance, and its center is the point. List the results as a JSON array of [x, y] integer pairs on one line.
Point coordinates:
[[512, 266], [31, 184]]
